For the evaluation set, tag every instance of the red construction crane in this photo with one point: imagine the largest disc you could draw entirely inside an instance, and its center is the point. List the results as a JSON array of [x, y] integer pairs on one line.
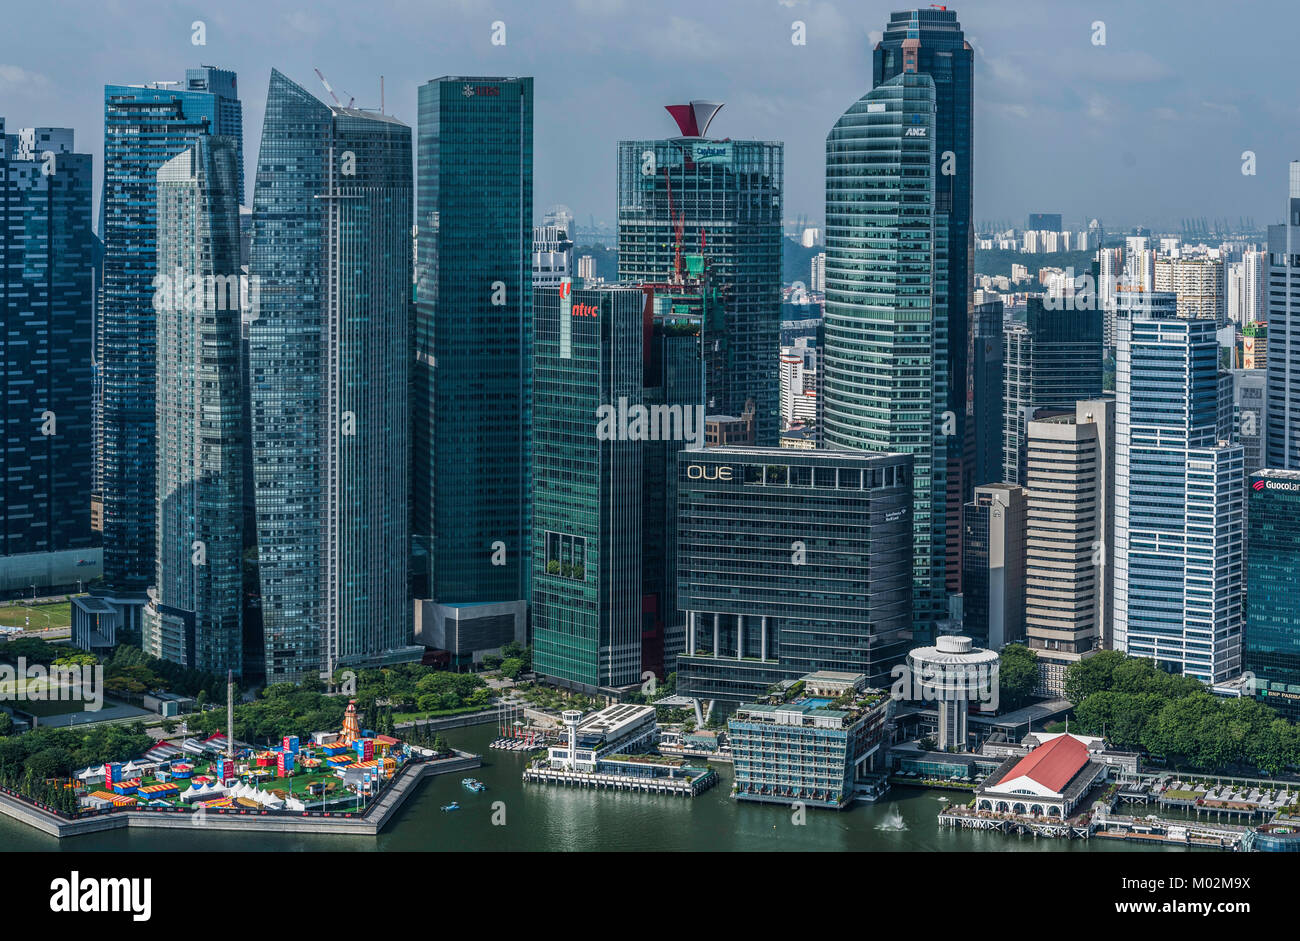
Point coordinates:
[[679, 224]]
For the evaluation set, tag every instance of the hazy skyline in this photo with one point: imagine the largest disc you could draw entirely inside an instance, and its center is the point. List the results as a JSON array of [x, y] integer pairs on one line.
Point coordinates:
[[1149, 128]]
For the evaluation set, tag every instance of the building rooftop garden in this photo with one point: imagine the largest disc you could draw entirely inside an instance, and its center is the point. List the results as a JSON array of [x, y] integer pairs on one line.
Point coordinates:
[[837, 695]]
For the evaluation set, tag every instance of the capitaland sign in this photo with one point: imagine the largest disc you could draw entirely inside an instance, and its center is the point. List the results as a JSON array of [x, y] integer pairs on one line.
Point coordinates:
[[708, 472], [712, 153]]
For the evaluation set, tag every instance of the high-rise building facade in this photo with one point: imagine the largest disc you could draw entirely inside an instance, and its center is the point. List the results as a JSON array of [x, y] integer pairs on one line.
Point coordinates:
[[194, 615], [886, 323], [1200, 284], [47, 258], [1272, 645], [144, 127], [1178, 496], [473, 340], [328, 367], [552, 256], [1284, 334], [587, 485], [1051, 362], [788, 562], [720, 198], [675, 375], [930, 42], [1068, 576], [987, 379], [1250, 416], [993, 566]]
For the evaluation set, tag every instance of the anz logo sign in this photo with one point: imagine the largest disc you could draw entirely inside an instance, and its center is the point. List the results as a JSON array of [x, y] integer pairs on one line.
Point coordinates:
[[915, 132]]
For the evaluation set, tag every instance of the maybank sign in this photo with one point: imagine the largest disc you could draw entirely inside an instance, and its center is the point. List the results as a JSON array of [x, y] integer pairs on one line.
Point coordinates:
[[712, 153]]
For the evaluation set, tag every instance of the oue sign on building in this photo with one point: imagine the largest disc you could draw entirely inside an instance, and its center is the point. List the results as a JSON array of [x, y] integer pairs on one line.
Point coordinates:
[[708, 472]]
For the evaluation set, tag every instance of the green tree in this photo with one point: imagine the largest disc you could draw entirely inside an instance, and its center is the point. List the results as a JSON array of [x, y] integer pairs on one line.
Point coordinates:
[[1091, 675], [1017, 675]]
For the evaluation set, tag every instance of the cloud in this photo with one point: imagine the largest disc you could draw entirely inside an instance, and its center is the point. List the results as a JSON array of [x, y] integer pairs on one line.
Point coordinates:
[[15, 78]]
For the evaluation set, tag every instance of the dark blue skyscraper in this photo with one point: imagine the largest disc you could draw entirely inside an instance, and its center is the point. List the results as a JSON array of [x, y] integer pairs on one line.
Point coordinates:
[[144, 127], [328, 368], [471, 387], [47, 256]]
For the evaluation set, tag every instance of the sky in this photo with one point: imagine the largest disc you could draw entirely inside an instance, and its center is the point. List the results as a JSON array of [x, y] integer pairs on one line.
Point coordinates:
[[1147, 128]]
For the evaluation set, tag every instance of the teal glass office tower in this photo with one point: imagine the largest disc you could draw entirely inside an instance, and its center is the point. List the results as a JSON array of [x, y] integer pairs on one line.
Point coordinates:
[[47, 258], [587, 486], [194, 616], [473, 340], [328, 371], [930, 41], [1272, 641], [144, 127], [725, 196], [886, 324]]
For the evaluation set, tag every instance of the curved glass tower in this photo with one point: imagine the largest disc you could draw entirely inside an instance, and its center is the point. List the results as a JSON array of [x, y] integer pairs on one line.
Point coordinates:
[[328, 365], [194, 616], [886, 382]]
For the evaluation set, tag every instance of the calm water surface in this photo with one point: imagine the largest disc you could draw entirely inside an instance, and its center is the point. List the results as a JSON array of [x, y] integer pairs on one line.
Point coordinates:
[[546, 817]]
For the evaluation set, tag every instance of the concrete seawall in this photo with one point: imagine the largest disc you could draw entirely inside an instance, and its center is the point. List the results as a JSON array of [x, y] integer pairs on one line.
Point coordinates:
[[370, 823]]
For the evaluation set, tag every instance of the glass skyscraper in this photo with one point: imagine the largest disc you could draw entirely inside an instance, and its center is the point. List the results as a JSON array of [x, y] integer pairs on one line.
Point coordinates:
[[1272, 602], [473, 340], [144, 127], [1283, 300], [1051, 362], [587, 486], [47, 258], [676, 374], [725, 199], [931, 42], [328, 368], [1178, 495], [194, 616], [791, 561], [886, 383]]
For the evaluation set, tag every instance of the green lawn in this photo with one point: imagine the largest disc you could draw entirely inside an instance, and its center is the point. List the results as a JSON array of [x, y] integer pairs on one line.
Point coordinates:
[[54, 614]]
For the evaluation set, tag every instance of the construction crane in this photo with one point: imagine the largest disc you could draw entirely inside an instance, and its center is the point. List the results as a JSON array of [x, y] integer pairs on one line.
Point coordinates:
[[351, 101], [679, 224]]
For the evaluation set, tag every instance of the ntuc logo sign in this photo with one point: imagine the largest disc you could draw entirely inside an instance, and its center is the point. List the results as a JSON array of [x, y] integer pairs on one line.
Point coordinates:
[[585, 310]]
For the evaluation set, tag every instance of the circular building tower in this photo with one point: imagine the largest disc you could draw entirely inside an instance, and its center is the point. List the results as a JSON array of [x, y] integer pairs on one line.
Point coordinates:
[[953, 673]]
